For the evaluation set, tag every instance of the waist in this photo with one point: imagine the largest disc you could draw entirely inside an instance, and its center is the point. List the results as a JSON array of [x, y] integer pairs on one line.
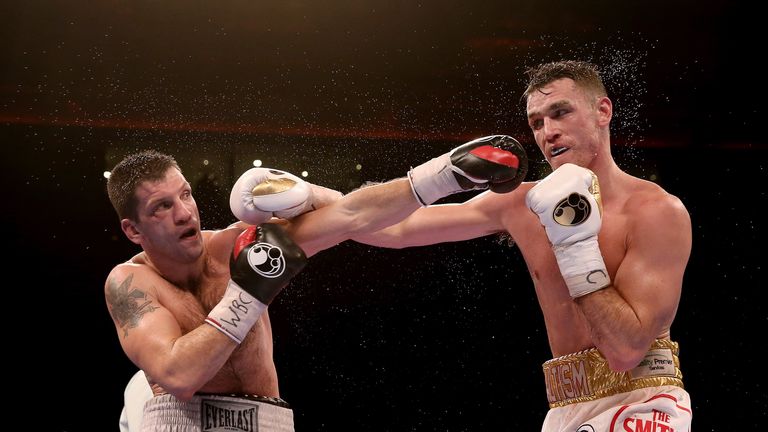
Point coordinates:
[[585, 376], [218, 413], [248, 397]]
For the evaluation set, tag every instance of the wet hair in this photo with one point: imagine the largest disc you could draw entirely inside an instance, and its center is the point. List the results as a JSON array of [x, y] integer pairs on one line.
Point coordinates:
[[129, 173], [584, 74]]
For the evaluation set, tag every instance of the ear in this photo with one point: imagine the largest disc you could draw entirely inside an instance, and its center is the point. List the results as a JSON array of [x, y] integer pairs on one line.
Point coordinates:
[[604, 111], [130, 230]]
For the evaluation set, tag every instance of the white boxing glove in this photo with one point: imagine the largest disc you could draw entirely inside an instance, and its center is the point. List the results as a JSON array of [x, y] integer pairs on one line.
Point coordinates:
[[568, 205], [261, 193]]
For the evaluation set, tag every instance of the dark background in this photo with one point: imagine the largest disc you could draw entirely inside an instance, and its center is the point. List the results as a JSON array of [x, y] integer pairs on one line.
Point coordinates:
[[441, 338]]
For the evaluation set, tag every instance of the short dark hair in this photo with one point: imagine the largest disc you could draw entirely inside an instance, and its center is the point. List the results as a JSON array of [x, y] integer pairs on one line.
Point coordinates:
[[129, 173], [584, 74]]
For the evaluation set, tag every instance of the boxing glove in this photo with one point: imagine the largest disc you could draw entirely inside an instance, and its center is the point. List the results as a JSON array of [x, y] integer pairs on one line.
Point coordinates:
[[568, 205], [319, 196], [261, 193], [497, 162], [263, 261]]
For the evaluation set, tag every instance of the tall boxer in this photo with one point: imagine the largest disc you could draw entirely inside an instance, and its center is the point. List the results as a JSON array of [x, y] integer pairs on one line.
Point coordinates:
[[606, 252]]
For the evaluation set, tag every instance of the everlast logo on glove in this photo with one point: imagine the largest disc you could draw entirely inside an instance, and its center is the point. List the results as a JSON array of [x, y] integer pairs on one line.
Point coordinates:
[[222, 416]]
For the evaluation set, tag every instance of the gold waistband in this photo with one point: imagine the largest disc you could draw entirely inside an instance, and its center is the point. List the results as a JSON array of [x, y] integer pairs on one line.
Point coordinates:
[[585, 375]]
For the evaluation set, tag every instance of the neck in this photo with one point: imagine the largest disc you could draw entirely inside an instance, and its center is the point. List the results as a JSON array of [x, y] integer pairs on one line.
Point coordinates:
[[184, 275], [610, 177], [608, 173]]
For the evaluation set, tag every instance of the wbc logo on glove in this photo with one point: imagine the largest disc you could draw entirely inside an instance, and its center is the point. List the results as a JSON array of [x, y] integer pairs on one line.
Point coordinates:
[[266, 259], [572, 210]]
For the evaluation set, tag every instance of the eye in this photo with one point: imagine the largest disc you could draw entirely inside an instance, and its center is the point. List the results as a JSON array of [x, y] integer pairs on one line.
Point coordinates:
[[537, 124], [164, 205], [559, 112]]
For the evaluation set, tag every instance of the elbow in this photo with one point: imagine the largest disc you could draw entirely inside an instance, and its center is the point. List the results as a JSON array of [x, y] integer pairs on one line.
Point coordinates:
[[184, 396], [180, 385], [180, 391], [358, 225], [623, 359], [389, 238], [389, 243]]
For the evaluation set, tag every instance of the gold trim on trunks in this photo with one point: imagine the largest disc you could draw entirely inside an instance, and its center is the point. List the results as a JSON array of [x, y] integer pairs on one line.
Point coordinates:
[[585, 375]]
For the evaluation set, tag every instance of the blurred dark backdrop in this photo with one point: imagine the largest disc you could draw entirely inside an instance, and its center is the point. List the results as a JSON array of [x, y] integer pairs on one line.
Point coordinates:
[[441, 338]]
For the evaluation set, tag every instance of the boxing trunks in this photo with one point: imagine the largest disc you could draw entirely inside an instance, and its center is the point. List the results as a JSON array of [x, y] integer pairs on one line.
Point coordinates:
[[585, 395], [217, 413]]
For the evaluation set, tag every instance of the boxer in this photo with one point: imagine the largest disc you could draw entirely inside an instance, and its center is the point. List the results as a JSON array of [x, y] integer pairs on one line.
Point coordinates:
[[191, 310]]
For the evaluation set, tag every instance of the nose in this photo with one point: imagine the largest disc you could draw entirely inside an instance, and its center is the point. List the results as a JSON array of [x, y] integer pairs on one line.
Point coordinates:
[[551, 131], [182, 212]]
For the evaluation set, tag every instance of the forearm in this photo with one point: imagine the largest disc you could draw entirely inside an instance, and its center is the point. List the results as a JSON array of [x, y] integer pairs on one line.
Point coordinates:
[[360, 212], [373, 208], [615, 327], [191, 361]]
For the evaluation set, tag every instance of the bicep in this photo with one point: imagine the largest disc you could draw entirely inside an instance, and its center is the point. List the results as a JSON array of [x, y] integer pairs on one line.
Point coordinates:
[[145, 328], [650, 276]]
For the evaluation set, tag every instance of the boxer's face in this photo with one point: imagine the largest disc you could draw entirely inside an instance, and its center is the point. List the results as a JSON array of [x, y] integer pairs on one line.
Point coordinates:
[[168, 218], [565, 123]]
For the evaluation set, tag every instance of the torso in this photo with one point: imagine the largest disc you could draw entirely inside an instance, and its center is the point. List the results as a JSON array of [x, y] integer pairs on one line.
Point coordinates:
[[566, 327], [250, 369]]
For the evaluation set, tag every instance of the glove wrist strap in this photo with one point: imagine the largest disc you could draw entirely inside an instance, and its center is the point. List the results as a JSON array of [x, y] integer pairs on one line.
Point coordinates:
[[236, 313], [582, 266], [433, 180]]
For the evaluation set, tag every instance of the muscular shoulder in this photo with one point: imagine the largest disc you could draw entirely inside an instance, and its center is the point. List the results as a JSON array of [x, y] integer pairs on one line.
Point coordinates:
[[653, 201], [650, 207], [132, 288], [219, 243], [125, 277]]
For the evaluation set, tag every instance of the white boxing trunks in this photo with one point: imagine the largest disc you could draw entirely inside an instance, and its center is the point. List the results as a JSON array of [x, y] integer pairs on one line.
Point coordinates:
[[586, 396], [217, 413]]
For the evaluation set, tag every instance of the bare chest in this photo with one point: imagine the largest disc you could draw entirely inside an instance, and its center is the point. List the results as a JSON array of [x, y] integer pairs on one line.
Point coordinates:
[[190, 308], [566, 327], [250, 368]]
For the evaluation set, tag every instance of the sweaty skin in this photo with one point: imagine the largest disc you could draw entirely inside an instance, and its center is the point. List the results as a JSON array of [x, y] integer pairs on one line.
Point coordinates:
[[150, 309], [159, 299]]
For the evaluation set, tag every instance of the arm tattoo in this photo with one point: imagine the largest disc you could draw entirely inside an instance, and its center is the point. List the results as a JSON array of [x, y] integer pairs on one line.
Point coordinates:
[[126, 304]]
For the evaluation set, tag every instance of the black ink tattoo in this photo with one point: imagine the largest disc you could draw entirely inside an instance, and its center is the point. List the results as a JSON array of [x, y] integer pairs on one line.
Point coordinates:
[[127, 305]]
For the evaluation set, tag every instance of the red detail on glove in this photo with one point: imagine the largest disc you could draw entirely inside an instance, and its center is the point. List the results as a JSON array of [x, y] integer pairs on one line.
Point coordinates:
[[244, 239], [496, 155]]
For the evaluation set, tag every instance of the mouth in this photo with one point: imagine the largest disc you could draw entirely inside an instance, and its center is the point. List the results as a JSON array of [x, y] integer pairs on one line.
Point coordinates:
[[557, 151], [189, 233]]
